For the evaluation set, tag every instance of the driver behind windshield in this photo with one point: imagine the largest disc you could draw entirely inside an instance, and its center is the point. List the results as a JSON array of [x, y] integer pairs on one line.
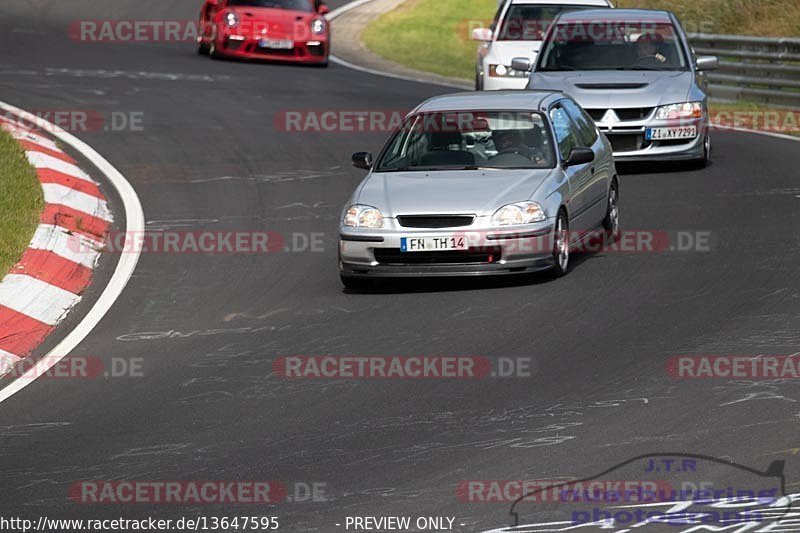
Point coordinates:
[[512, 143], [648, 48]]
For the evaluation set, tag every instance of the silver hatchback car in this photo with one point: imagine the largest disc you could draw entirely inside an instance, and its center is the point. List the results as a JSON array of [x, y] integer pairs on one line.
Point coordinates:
[[636, 74], [480, 184]]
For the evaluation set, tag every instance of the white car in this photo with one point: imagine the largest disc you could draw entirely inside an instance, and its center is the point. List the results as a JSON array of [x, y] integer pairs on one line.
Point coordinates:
[[517, 31]]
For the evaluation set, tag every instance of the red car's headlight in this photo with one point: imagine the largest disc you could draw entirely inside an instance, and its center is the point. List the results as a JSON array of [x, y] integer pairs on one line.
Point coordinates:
[[318, 26]]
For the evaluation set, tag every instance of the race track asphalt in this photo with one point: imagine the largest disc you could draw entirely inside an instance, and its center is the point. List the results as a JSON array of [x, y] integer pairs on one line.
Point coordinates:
[[208, 327]]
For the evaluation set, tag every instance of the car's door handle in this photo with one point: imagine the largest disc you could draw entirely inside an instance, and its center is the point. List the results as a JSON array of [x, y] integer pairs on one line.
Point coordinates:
[[592, 170]]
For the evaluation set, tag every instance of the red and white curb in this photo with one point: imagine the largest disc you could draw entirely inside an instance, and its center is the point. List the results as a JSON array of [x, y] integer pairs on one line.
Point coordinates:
[[57, 266], [48, 280]]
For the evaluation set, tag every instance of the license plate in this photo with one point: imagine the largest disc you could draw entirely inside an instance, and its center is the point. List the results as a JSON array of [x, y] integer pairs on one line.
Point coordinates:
[[665, 134], [432, 244], [279, 44]]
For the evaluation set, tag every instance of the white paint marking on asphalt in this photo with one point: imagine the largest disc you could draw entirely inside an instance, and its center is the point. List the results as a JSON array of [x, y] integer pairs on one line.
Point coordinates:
[[40, 160], [55, 193], [73, 247], [35, 298], [134, 217]]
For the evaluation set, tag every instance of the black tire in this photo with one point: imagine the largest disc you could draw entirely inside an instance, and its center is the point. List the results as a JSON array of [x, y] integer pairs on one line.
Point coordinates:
[[611, 221], [706, 159], [561, 245], [212, 50]]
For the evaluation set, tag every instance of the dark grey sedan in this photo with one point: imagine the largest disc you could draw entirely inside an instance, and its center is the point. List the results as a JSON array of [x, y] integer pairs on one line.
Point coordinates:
[[480, 184]]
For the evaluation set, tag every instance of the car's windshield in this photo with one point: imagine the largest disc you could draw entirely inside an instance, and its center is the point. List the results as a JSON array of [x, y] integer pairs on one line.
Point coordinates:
[[612, 46], [295, 5], [469, 140], [530, 22]]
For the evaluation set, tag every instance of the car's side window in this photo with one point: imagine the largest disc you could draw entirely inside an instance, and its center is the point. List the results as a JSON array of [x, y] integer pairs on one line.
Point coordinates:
[[564, 129], [587, 131]]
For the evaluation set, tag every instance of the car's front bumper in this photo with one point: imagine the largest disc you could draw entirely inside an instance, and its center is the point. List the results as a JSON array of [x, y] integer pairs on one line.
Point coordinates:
[[629, 143], [376, 253], [304, 51]]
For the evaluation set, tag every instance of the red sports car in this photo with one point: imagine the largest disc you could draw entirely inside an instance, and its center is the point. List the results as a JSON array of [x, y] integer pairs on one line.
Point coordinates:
[[282, 30]]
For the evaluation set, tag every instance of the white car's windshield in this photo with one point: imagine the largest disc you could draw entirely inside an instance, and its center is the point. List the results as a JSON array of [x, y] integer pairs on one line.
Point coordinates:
[[612, 46], [530, 22], [469, 140]]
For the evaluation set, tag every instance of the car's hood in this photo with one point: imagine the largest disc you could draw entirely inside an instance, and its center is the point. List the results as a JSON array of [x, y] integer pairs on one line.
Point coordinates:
[[278, 22], [505, 51], [449, 192], [617, 89]]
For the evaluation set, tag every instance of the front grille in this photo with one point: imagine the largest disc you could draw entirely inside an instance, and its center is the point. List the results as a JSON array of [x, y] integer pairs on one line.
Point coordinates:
[[435, 221], [626, 114], [473, 256], [634, 113], [597, 114], [626, 143]]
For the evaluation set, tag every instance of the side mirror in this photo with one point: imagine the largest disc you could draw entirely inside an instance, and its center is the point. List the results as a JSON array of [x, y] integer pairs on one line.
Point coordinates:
[[522, 64], [482, 34], [362, 160], [707, 63], [323, 9], [579, 156]]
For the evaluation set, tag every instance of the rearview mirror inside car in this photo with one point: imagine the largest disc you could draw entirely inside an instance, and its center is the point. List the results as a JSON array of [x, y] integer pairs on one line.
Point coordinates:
[[707, 63], [579, 156], [522, 64], [362, 160]]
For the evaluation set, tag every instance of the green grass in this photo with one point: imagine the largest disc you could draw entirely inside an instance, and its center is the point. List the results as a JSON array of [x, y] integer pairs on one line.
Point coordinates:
[[431, 35], [21, 202]]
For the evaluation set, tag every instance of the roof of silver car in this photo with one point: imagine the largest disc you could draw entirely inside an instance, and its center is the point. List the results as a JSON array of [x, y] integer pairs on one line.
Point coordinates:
[[488, 101], [616, 15]]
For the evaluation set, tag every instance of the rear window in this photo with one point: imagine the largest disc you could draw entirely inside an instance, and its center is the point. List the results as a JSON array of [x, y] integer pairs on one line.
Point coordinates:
[[529, 22]]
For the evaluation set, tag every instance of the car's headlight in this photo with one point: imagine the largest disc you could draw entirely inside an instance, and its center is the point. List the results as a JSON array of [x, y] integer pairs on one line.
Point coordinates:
[[363, 216], [318, 26], [504, 71], [231, 19], [521, 213], [684, 110]]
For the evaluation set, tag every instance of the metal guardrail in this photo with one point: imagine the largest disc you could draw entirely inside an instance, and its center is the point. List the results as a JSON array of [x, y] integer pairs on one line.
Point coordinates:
[[756, 69]]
